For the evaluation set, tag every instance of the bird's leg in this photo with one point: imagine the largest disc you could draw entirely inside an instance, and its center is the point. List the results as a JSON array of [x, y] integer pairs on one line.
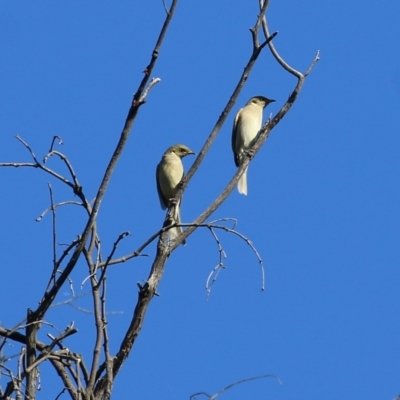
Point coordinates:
[[249, 153], [173, 207], [173, 201]]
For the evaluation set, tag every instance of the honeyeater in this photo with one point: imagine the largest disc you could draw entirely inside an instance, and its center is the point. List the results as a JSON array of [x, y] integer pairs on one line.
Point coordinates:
[[168, 176], [246, 126]]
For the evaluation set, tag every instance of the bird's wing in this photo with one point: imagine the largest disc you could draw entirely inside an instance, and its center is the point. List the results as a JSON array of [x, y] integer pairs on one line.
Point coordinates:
[[235, 125], [163, 200]]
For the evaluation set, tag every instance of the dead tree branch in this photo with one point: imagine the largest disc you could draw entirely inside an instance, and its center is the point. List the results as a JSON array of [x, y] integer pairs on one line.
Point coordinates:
[[149, 289]]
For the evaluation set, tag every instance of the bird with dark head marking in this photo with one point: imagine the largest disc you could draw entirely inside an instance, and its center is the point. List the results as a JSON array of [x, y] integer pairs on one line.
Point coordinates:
[[169, 174]]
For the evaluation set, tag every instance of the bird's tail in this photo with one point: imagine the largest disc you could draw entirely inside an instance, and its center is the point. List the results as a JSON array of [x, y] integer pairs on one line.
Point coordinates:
[[242, 184], [175, 232]]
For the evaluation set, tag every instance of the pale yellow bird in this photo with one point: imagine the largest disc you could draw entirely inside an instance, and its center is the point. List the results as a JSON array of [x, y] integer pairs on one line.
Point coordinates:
[[168, 175], [246, 126]]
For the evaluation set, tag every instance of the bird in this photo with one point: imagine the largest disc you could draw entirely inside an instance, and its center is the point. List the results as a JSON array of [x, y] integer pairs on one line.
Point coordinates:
[[169, 174], [246, 126]]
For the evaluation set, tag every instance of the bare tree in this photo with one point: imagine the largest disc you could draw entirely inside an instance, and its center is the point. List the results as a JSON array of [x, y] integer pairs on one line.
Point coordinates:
[[94, 378]]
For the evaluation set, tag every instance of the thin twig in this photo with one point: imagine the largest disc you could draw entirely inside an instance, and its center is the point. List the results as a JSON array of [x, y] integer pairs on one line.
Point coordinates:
[[213, 397], [104, 267], [220, 265], [69, 301], [241, 236], [67, 163], [21, 363], [99, 324], [71, 283], [165, 7], [37, 164], [67, 250], [54, 219], [153, 82], [92, 267], [63, 203], [60, 142], [108, 358], [316, 59], [276, 55], [77, 374], [59, 395]]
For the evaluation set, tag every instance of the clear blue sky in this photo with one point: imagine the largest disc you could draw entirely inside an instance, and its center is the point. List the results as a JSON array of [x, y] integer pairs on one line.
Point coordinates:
[[323, 204]]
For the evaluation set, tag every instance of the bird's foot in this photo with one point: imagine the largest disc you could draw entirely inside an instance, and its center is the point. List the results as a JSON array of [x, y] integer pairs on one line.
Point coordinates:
[[173, 201], [249, 153]]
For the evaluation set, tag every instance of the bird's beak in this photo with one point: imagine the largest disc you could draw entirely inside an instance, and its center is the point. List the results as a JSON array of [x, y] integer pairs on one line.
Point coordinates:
[[192, 153], [269, 102]]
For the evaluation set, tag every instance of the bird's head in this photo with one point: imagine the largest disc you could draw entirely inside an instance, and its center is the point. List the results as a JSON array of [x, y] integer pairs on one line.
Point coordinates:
[[260, 101], [180, 150]]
